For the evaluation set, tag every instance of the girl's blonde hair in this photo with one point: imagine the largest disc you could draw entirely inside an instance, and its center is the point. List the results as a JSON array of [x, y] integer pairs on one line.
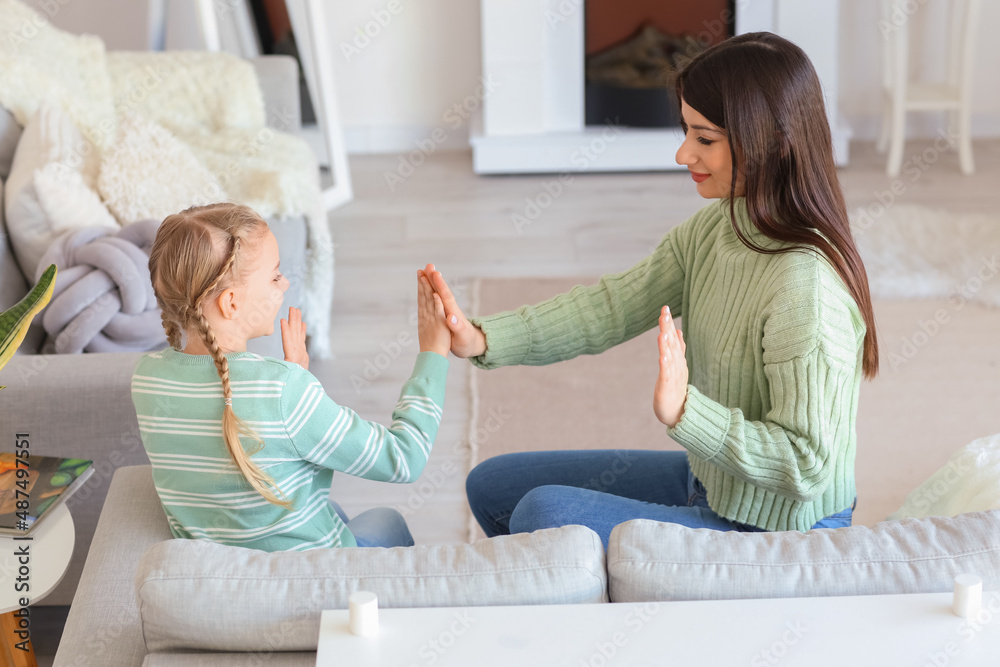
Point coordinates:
[[198, 254]]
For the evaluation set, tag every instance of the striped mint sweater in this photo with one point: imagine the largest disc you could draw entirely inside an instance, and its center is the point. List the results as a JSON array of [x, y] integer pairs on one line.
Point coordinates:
[[178, 401], [774, 351]]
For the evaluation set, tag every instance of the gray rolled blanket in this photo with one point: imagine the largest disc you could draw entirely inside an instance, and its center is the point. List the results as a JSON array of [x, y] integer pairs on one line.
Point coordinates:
[[103, 298]]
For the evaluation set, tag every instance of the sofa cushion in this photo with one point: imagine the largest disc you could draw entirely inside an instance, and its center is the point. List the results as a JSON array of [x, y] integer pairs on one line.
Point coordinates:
[[50, 189], [13, 287], [196, 594], [649, 560], [10, 134]]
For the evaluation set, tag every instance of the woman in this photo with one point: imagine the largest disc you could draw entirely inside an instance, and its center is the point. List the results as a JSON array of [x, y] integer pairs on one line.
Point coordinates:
[[775, 306]]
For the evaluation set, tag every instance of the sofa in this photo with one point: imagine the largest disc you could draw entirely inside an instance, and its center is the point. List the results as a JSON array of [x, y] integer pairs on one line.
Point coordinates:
[[79, 405], [147, 599]]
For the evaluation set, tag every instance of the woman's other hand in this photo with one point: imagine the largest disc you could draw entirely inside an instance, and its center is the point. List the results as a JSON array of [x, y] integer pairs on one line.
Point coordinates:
[[467, 340], [671, 385], [293, 338], [431, 328]]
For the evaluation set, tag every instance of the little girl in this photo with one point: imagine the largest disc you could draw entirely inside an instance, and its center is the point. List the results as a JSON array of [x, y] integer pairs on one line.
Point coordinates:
[[215, 273]]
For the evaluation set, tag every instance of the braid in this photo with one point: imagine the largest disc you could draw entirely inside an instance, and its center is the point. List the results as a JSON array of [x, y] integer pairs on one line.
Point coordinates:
[[233, 426], [173, 331], [221, 363], [182, 259]]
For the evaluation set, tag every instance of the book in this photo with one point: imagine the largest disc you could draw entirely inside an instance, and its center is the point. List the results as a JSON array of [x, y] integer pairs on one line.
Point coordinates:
[[43, 481]]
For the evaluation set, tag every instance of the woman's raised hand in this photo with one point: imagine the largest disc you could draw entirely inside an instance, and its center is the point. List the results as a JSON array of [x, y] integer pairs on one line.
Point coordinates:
[[670, 392], [467, 340]]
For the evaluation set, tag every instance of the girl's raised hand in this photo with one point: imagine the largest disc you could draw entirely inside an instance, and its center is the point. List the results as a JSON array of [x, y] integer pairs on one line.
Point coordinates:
[[671, 385], [467, 340], [293, 338], [431, 328]]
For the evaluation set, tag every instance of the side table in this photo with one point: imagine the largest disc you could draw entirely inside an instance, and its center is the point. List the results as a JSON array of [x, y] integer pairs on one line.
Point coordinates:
[[49, 550], [913, 629]]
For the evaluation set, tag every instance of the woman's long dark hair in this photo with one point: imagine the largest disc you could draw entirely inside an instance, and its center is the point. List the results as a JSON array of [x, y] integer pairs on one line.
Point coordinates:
[[763, 91]]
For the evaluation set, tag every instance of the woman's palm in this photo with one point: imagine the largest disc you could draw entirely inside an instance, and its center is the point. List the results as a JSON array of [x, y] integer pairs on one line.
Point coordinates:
[[467, 340]]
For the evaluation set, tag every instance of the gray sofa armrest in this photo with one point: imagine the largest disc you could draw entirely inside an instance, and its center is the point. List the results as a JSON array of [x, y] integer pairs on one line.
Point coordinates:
[[279, 80], [103, 625], [75, 406]]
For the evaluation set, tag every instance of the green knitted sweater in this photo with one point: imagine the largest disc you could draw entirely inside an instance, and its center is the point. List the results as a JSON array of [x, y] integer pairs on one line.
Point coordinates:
[[774, 355]]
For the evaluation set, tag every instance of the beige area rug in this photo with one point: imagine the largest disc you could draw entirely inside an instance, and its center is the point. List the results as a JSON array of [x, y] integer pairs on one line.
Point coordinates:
[[938, 387]]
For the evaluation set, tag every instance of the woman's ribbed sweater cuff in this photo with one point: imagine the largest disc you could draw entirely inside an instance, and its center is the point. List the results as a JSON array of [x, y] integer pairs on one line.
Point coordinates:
[[703, 427], [508, 340]]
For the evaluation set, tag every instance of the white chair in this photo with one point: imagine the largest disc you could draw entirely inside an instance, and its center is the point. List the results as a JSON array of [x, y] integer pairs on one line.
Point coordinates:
[[899, 95]]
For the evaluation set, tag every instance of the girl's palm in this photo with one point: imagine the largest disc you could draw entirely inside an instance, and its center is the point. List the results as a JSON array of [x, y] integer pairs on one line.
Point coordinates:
[[467, 340], [293, 338]]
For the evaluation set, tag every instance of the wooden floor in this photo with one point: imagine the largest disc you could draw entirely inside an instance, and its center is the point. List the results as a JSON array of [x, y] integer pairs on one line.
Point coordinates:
[[597, 223], [445, 214]]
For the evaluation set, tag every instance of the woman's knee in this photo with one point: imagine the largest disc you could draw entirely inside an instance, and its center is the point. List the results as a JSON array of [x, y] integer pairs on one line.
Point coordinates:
[[486, 474]]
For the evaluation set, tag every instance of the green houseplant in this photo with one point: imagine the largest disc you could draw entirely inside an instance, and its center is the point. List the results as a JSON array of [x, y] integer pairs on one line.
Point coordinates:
[[14, 321]]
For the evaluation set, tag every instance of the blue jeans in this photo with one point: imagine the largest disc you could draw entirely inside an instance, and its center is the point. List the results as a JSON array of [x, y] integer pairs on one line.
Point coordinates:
[[377, 527], [527, 491]]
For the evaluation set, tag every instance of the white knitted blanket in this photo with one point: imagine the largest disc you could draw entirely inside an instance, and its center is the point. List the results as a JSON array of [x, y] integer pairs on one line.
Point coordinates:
[[968, 482], [211, 102]]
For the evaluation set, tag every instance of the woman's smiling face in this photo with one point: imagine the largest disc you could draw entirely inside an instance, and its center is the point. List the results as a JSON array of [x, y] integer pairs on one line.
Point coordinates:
[[705, 152]]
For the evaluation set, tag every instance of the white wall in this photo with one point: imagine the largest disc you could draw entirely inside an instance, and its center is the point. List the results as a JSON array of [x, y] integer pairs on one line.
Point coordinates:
[[401, 85], [860, 66], [426, 58], [122, 24]]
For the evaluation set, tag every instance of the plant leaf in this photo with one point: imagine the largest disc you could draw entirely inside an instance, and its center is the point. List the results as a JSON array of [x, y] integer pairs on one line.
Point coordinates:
[[14, 322]]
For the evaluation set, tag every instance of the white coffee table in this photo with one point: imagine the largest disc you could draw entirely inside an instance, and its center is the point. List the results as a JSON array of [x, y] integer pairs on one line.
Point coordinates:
[[50, 551], [857, 630]]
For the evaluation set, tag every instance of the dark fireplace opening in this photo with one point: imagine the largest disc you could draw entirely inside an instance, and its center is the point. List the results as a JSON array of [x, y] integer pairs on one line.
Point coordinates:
[[632, 49]]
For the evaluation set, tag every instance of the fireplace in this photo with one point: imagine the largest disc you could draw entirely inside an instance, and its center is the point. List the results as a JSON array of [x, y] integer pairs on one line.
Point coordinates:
[[542, 116], [633, 48]]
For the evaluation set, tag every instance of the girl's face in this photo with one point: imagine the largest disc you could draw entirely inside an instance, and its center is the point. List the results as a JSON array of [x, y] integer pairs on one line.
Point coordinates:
[[705, 152], [264, 290]]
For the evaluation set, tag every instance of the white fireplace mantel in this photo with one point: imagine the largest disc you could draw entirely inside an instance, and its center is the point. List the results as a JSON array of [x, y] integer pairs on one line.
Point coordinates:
[[533, 120]]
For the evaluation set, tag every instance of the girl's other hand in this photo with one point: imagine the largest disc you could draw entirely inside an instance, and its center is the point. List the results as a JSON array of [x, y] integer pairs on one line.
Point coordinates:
[[467, 340], [670, 392], [431, 329], [293, 338]]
